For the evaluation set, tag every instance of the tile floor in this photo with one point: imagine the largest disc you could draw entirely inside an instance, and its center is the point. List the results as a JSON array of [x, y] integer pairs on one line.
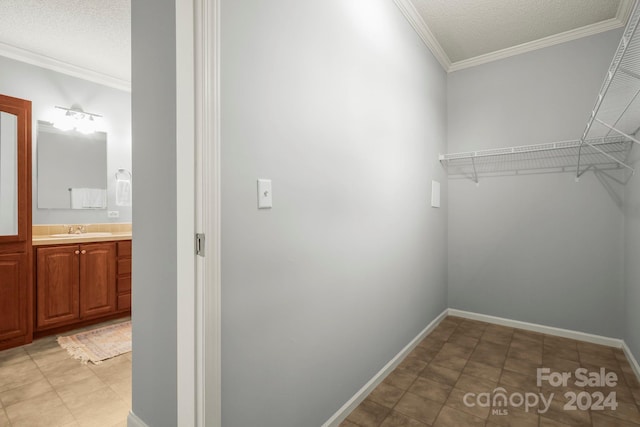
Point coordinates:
[[40, 385], [461, 356]]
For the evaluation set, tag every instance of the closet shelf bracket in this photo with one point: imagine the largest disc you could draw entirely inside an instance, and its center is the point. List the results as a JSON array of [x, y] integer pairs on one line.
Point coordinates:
[[620, 162], [475, 171], [618, 131], [630, 73]]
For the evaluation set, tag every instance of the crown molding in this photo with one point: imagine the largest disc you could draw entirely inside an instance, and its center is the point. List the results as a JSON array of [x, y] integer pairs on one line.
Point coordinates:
[[49, 63], [409, 11], [413, 16], [587, 30], [624, 11]]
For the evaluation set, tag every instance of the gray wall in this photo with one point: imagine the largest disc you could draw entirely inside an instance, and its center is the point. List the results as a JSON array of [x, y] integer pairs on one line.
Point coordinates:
[[46, 89], [536, 248], [343, 107], [154, 216], [632, 255]]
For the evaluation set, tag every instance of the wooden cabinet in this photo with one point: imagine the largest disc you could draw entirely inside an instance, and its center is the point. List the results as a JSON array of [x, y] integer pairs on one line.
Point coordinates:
[[13, 297], [97, 279], [75, 283], [57, 286], [16, 289], [124, 276]]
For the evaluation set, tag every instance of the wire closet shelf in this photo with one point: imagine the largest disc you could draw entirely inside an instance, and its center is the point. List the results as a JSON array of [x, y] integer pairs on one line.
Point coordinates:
[[607, 139]]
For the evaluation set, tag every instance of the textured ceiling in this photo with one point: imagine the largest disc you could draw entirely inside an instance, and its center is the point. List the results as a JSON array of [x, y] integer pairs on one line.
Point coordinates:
[[90, 34], [470, 28], [95, 35]]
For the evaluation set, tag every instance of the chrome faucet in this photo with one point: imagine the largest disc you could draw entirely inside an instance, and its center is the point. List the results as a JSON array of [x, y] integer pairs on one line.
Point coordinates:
[[79, 229]]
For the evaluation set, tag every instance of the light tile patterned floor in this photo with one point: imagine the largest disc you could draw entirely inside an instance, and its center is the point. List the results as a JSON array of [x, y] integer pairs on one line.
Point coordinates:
[[40, 385], [462, 356]]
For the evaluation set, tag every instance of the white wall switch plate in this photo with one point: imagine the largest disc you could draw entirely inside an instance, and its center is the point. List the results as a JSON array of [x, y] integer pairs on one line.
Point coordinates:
[[264, 194], [113, 214], [435, 194]]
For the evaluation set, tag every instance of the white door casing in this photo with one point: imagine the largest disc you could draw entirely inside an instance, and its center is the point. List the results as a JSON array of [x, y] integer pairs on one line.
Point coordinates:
[[198, 211]]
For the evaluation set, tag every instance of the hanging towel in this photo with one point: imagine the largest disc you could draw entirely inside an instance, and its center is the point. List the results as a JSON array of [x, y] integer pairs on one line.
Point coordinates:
[[88, 198], [123, 192], [95, 198], [77, 197]]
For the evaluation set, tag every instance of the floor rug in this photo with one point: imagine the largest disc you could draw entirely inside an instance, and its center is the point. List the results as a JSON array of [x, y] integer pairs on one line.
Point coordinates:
[[99, 344]]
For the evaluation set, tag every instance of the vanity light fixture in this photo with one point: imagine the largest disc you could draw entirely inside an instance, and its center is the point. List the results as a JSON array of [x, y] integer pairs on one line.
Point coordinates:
[[77, 119]]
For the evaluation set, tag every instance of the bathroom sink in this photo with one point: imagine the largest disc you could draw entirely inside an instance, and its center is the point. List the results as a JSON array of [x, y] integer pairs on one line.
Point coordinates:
[[96, 234]]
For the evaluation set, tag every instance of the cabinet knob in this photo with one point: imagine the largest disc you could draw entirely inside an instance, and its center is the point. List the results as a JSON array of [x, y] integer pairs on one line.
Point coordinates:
[[77, 252], [83, 252]]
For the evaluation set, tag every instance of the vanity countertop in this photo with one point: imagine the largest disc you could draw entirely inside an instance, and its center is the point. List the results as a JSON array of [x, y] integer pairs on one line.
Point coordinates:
[[41, 240]]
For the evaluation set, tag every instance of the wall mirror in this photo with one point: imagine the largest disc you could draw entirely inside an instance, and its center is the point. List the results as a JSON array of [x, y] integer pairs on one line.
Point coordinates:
[[8, 174], [72, 169]]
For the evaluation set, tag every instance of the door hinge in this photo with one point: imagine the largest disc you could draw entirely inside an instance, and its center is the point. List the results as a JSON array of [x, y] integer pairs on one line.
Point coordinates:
[[200, 244]]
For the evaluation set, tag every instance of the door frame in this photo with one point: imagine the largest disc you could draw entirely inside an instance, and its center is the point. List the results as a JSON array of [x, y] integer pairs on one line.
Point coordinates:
[[198, 211]]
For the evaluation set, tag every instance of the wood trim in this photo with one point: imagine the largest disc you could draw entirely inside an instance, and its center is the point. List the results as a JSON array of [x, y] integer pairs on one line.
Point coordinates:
[[13, 247], [124, 284], [124, 302], [21, 108], [15, 342], [124, 266], [19, 244], [124, 248]]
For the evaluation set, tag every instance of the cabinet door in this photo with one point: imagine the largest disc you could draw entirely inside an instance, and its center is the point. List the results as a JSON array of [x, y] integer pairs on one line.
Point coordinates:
[[16, 288], [57, 286], [97, 279], [13, 296]]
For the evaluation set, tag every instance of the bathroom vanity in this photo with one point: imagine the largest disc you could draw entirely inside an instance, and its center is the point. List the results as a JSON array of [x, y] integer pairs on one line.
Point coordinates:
[[55, 278], [80, 278]]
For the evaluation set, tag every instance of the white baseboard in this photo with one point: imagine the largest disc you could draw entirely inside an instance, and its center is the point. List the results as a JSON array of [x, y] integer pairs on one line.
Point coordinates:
[[348, 407], [549, 330], [134, 421], [357, 398], [632, 360]]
